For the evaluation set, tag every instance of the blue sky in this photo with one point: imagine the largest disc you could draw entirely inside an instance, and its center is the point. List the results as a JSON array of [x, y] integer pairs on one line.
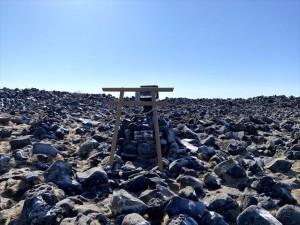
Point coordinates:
[[204, 49]]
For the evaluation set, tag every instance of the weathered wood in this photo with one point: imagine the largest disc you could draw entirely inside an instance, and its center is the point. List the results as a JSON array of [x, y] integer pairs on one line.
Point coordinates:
[[139, 103], [116, 129], [151, 89], [156, 129]]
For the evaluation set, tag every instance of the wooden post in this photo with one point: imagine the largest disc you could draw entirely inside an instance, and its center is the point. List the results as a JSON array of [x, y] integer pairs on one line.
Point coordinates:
[[156, 129], [116, 129]]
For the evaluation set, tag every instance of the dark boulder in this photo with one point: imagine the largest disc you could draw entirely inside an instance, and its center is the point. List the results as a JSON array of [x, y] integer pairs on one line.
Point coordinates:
[[134, 219], [289, 215], [263, 185], [39, 205], [211, 181], [61, 174], [280, 165], [181, 219], [225, 205], [19, 142], [46, 149], [178, 206], [135, 184], [256, 215], [194, 182], [92, 177], [124, 203]]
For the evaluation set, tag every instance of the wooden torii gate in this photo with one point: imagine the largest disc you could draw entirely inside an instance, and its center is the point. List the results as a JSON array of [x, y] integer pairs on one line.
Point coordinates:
[[152, 103]]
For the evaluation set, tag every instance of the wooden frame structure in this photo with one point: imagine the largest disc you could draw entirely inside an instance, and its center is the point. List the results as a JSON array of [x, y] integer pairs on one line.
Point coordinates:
[[152, 103]]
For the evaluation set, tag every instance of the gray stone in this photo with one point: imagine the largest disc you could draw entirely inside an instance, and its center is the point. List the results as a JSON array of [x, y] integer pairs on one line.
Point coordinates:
[[181, 219], [92, 177], [263, 185], [231, 168], [283, 193], [87, 147], [206, 150], [280, 165], [5, 133], [90, 219], [256, 215], [211, 181], [69, 221], [178, 206], [46, 149], [130, 149], [267, 203], [175, 166], [225, 205], [124, 203], [20, 155], [144, 148], [213, 218], [4, 163], [195, 183], [195, 164], [156, 208], [4, 119], [161, 192], [61, 174], [19, 142], [39, 205], [134, 219], [289, 215], [189, 193], [135, 184], [66, 207], [249, 197], [128, 134]]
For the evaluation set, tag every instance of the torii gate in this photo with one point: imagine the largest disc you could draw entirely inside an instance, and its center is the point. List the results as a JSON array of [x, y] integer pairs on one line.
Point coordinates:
[[152, 103]]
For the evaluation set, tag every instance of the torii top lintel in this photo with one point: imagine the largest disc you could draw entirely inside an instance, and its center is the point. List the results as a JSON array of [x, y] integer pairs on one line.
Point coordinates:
[[132, 89]]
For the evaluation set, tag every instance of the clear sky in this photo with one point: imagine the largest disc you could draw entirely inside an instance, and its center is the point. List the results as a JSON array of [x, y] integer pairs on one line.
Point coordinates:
[[204, 49]]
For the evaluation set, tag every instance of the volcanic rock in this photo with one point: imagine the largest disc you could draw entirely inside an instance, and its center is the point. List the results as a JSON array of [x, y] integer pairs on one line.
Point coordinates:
[[178, 205], [231, 168], [185, 180], [252, 144], [19, 142], [4, 163], [124, 203], [39, 206], [61, 174], [213, 218], [280, 165], [47, 149], [5, 133], [256, 215], [182, 219], [288, 215], [87, 147], [211, 181], [189, 193], [225, 205], [92, 177], [134, 219]]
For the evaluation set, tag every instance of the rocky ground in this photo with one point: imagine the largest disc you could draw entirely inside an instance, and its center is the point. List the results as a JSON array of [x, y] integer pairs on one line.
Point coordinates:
[[226, 161]]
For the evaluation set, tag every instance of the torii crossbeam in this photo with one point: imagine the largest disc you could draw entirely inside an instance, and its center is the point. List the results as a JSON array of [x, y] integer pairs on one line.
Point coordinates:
[[152, 103]]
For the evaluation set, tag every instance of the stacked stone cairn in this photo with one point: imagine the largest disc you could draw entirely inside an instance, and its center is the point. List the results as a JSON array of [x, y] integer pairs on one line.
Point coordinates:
[[136, 139]]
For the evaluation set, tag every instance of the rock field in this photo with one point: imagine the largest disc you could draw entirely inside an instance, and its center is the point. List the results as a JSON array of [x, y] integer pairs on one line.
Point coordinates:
[[226, 161]]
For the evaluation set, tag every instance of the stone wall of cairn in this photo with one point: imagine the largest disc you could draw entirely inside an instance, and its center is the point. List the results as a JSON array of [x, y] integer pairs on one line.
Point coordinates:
[[136, 139]]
